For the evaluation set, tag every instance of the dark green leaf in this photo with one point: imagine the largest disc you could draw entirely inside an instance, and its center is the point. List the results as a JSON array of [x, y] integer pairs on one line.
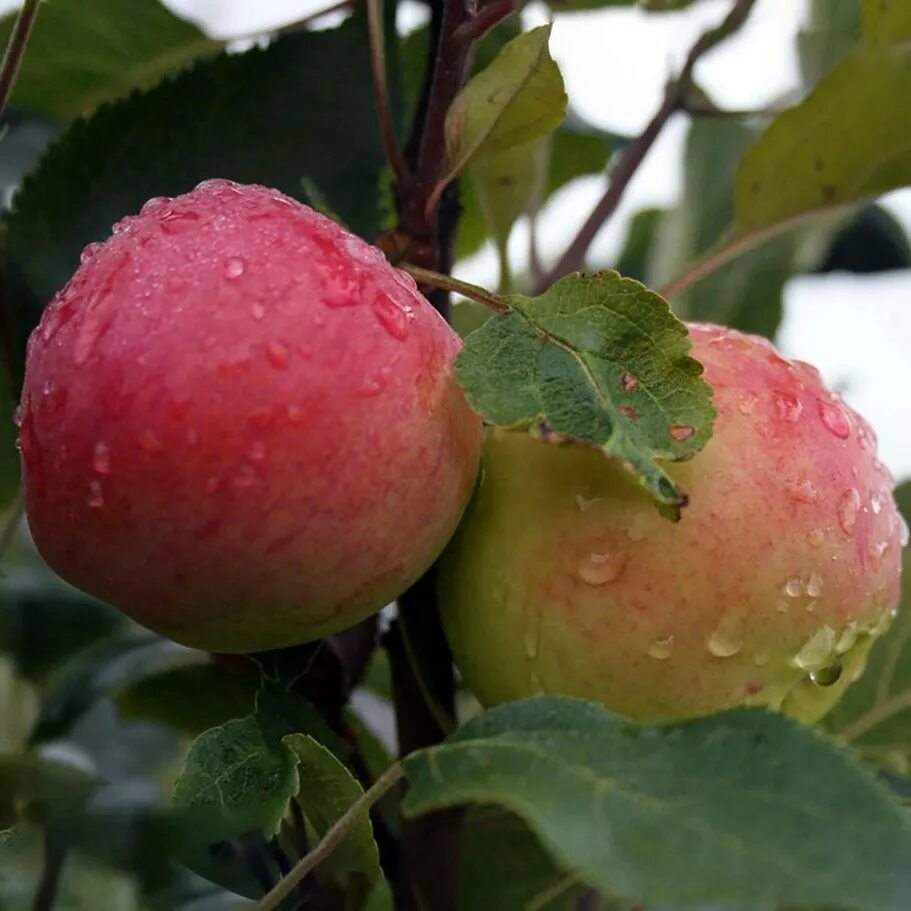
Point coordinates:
[[831, 32], [746, 807], [83, 54], [327, 789], [503, 866], [885, 22], [640, 239], [599, 358], [232, 782], [267, 116]]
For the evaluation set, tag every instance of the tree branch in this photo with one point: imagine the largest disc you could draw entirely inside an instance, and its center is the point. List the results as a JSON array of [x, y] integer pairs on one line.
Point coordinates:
[[675, 96], [400, 169], [15, 49], [332, 839], [51, 869]]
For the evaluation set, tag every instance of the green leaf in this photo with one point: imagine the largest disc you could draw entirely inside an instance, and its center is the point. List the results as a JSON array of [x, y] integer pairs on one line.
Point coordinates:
[[517, 99], [327, 789], [232, 782], [32, 787], [745, 294], [885, 21], [83, 54], [743, 807], [874, 715], [638, 246], [842, 144], [107, 166], [599, 358], [503, 866], [832, 31]]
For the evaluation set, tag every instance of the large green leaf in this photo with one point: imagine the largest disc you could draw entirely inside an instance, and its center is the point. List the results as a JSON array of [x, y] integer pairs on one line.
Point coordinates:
[[599, 358], [842, 144], [746, 807], [84, 53], [267, 116], [885, 21], [746, 294], [832, 30]]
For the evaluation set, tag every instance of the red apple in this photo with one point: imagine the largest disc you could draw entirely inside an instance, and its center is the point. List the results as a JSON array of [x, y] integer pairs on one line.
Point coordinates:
[[785, 566], [240, 425]]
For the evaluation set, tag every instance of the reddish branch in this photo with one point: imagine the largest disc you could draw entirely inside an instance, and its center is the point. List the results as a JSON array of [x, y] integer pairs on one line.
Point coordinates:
[[675, 99]]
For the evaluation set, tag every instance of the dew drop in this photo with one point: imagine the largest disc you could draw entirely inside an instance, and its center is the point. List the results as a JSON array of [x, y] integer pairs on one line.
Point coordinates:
[[245, 477], [234, 268], [789, 406], [814, 585], [277, 355], [682, 432], [153, 205], [393, 318], [150, 443], [876, 504], [829, 675], [782, 607], [724, 642], [258, 451], [902, 532], [628, 412], [877, 552], [101, 458], [816, 537], [95, 499], [747, 403], [802, 490], [88, 252], [192, 437], [848, 505], [295, 413], [53, 397], [178, 221], [761, 659], [176, 284], [834, 418], [257, 310], [794, 587], [661, 648], [628, 382], [817, 652], [601, 568], [585, 503]]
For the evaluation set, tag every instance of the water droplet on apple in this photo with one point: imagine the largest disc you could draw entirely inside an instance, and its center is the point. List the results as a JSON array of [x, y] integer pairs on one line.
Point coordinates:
[[828, 675], [834, 418], [661, 648], [818, 651], [53, 397], [801, 490], [789, 406], [153, 205], [725, 641], [277, 355], [794, 587], [257, 310], [747, 403], [245, 477], [178, 220], [101, 458], [876, 504], [234, 268], [814, 585], [150, 443], [392, 317], [599, 568], [816, 537], [761, 659], [848, 505], [88, 252], [258, 451], [95, 499], [902, 532]]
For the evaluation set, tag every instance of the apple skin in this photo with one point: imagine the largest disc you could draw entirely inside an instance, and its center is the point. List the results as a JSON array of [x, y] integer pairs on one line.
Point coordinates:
[[563, 577], [240, 425]]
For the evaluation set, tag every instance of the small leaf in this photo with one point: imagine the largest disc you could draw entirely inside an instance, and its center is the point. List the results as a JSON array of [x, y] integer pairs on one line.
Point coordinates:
[[232, 782], [885, 21], [83, 54], [746, 807], [517, 99], [327, 789], [599, 358], [842, 144], [641, 235]]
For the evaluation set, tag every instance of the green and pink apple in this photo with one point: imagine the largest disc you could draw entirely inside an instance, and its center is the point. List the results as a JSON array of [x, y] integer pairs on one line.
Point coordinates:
[[563, 577], [240, 424]]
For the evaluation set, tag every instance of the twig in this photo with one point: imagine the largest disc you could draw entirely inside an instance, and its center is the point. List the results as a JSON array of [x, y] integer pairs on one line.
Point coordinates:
[[485, 19], [674, 97], [480, 295], [397, 162], [15, 49], [51, 869], [332, 839]]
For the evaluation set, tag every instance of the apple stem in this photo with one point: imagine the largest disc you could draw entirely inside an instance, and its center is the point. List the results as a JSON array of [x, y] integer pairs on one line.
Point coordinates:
[[495, 302]]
